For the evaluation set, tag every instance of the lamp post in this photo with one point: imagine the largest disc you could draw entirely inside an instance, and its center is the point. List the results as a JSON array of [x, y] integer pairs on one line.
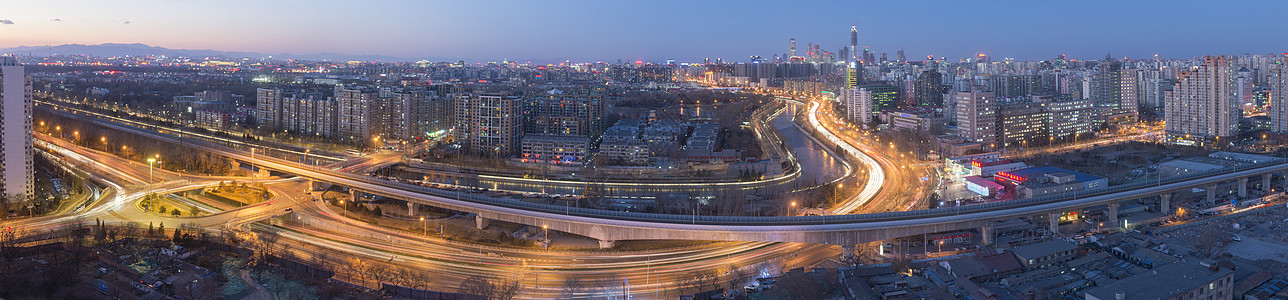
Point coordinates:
[[423, 231], [346, 209], [150, 161], [793, 211]]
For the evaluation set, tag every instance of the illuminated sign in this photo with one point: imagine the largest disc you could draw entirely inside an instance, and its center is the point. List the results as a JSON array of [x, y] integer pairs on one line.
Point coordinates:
[[1010, 176], [975, 163]]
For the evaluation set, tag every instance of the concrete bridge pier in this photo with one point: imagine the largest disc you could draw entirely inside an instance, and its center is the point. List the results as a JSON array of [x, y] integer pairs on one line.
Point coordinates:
[[353, 195], [1111, 214], [413, 209], [1211, 194], [1243, 187], [1265, 183], [1165, 203], [480, 223], [986, 234], [606, 244], [1054, 219]]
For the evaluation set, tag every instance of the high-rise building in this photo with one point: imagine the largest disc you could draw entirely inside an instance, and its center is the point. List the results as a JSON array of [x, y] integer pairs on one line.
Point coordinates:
[[854, 44], [884, 96], [1068, 116], [1022, 123], [929, 88], [977, 116], [15, 131], [1278, 77], [1202, 106], [268, 107], [858, 104], [356, 113], [489, 123]]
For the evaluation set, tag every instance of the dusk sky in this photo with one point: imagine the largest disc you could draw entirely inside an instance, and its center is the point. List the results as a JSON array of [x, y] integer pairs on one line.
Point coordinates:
[[548, 31]]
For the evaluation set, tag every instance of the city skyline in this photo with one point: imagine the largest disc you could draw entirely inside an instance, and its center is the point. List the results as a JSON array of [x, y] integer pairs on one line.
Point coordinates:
[[543, 33]]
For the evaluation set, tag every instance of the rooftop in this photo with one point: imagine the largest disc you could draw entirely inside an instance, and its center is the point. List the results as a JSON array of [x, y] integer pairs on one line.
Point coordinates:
[[1043, 249], [1160, 283]]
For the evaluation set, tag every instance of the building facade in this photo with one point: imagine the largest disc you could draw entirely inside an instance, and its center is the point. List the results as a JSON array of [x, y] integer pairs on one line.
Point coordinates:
[[15, 133], [977, 116], [489, 123], [1202, 108]]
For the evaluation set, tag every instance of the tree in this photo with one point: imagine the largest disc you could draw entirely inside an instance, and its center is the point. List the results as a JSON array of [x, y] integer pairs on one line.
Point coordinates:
[[572, 285], [481, 288], [193, 211], [175, 212], [356, 267], [1211, 239], [9, 246]]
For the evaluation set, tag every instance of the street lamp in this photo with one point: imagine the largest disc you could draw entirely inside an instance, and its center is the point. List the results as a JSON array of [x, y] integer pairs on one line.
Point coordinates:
[[793, 208], [150, 161], [941, 246], [423, 231], [346, 207]]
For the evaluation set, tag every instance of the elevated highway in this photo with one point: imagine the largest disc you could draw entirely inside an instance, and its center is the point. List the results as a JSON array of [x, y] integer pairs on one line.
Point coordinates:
[[608, 226]]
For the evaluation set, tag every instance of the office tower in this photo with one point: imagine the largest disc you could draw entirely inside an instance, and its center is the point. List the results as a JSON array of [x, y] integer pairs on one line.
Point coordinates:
[[1114, 88], [858, 104], [791, 49], [977, 116], [1022, 123], [1202, 105], [854, 44], [15, 131], [899, 58], [489, 123], [884, 96], [1278, 77], [853, 75], [355, 114], [1068, 117]]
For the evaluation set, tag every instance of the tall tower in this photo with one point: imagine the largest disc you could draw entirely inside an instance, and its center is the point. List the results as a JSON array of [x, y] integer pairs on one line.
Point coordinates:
[[854, 42], [791, 49], [16, 180]]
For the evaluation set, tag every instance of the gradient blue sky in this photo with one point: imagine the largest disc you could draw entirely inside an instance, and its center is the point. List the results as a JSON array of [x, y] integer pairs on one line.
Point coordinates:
[[656, 30]]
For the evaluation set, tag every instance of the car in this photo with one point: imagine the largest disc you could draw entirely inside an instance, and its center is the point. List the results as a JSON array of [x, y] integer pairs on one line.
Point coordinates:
[[1237, 238], [290, 209]]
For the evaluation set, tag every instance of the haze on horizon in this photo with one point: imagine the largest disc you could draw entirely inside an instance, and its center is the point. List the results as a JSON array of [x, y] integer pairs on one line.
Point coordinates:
[[653, 30]]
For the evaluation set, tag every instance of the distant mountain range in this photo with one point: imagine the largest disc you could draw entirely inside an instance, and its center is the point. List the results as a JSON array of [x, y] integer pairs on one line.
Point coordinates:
[[117, 49]]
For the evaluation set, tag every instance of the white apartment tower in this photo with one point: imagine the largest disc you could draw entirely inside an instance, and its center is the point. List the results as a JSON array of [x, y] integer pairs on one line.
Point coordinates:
[[15, 131], [1203, 104], [858, 105], [977, 115]]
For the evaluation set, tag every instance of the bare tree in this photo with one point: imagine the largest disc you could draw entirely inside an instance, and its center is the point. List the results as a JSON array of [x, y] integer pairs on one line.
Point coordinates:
[[1211, 239], [572, 285], [356, 267], [480, 288], [9, 246]]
